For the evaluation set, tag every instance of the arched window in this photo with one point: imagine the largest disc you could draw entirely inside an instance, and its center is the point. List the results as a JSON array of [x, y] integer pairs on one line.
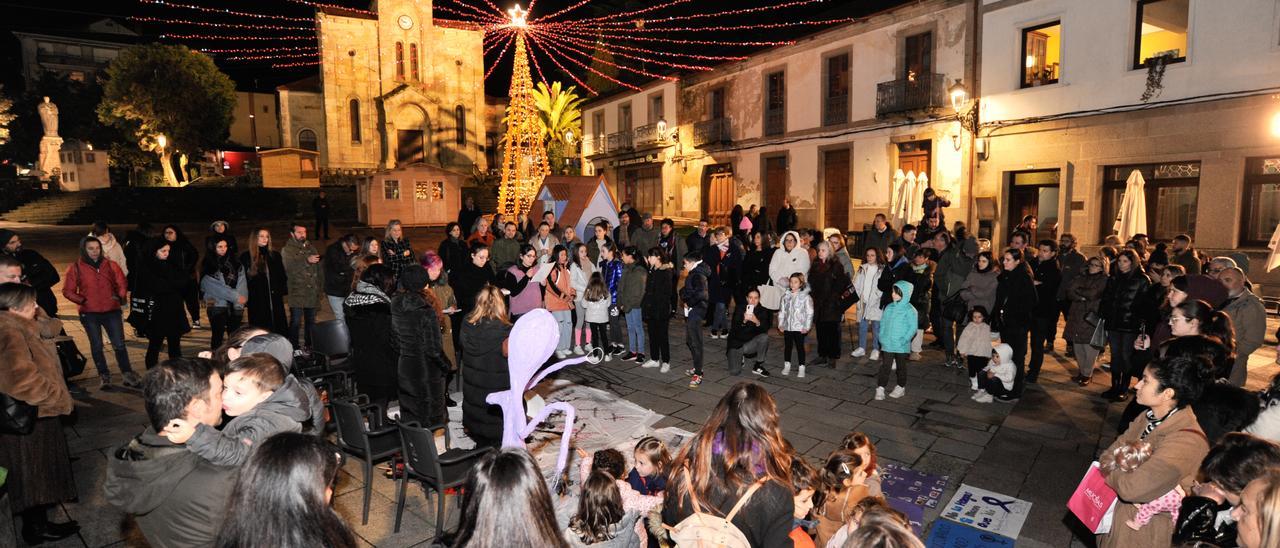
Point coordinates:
[[399, 60], [355, 120], [307, 140], [460, 125], [413, 61]]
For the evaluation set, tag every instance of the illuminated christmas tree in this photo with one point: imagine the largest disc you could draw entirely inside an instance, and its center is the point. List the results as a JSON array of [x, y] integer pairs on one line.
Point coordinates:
[[524, 162]]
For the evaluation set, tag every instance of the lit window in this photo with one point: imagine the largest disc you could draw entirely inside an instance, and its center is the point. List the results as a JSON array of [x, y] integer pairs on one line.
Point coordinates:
[[1261, 201], [399, 60], [89, 158], [1161, 31], [1172, 191], [391, 190], [1041, 54], [413, 61]]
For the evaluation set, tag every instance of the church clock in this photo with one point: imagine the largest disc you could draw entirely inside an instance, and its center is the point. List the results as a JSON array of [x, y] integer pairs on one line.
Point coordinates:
[[405, 22]]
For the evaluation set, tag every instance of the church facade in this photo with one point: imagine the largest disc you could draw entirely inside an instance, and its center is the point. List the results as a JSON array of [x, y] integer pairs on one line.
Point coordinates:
[[396, 88]]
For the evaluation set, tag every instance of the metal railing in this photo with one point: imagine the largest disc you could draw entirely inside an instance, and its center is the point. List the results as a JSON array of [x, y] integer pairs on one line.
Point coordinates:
[[593, 145], [775, 122], [835, 110], [711, 132], [619, 141], [648, 135], [924, 92]]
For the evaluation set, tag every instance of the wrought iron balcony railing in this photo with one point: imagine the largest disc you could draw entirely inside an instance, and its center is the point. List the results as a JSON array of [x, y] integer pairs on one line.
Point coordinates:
[[921, 93]]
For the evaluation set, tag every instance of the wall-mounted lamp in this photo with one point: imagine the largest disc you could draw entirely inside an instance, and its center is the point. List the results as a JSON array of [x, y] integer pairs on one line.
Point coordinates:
[[967, 114]]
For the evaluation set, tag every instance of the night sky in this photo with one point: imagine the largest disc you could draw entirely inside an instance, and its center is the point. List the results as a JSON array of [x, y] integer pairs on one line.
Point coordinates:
[[56, 16]]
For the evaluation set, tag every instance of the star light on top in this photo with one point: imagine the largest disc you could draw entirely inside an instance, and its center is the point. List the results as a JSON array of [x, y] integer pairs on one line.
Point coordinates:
[[519, 17]]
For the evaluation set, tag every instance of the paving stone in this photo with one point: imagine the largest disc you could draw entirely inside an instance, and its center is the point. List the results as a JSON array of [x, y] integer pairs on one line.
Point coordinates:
[[876, 414], [966, 451], [899, 434]]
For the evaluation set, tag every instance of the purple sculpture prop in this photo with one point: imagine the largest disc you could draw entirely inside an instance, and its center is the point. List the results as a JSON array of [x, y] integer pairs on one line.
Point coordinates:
[[533, 339]]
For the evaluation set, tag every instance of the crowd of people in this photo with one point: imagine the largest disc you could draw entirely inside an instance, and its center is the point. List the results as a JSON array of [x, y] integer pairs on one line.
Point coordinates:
[[1177, 326]]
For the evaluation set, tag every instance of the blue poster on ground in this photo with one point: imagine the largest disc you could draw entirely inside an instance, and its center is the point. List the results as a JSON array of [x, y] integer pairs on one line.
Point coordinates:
[[949, 534], [987, 511], [910, 492]]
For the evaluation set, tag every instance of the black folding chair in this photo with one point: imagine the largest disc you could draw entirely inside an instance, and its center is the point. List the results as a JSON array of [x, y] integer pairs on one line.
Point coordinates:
[[362, 435], [332, 341], [433, 471]]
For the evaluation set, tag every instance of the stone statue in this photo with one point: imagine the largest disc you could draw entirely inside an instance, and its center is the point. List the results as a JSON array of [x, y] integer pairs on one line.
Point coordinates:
[[49, 117]]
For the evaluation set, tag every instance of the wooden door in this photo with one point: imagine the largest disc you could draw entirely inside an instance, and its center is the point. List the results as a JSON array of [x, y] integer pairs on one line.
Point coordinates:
[[916, 162], [918, 56], [410, 149], [717, 197], [835, 181], [643, 189], [775, 182]]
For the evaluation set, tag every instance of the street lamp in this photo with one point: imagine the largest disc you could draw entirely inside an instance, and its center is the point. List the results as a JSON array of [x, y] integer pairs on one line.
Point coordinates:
[[162, 141], [959, 95], [1275, 125]]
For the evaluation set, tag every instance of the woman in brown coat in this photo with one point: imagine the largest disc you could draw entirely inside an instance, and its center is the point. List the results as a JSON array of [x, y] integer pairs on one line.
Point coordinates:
[[39, 463], [1085, 293], [1178, 445]]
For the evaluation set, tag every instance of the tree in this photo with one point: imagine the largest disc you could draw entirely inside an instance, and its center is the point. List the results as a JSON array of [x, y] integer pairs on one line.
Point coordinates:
[[6, 116], [171, 99], [561, 114]]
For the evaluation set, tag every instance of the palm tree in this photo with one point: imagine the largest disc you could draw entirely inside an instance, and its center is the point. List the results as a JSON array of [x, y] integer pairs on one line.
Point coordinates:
[[561, 113]]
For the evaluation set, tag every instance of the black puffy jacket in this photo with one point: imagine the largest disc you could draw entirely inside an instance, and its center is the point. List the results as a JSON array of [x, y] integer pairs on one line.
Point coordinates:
[[827, 281], [422, 361], [1015, 297], [484, 371], [1123, 301], [656, 304]]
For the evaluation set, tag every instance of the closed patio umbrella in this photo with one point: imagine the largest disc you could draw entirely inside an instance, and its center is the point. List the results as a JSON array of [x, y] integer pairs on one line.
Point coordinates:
[[1132, 217]]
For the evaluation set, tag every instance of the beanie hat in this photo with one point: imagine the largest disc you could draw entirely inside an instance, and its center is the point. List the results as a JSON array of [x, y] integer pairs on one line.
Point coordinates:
[[414, 278]]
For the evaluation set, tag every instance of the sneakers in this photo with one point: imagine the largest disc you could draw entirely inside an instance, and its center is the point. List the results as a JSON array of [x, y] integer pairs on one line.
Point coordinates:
[[858, 352], [879, 393], [761, 371], [976, 393], [915, 357], [131, 380], [639, 358], [586, 349], [650, 364], [695, 381], [608, 357], [973, 383], [577, 350], [800, 372], [875, 355], [665, 367], [898, 392], [690, 372], [983, 397], [195, 324], [106, 382], [786, 368], [560, 354]]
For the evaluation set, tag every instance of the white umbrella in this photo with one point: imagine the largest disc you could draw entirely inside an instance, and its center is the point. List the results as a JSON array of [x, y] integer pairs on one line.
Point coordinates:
[[895, 196], [917, 195], [1273, 260], [1132, 217]]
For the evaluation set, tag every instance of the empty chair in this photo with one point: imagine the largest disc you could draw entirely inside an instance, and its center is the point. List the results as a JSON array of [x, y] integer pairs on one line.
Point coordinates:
[[361, 435], [332, 340], [433, 471]]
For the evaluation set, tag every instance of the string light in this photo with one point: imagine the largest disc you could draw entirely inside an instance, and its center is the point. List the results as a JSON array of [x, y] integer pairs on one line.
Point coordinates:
[[541, 76], [600, 45], [740, 11], [270, 56], [298, 64], [524, 162], [573, 49], [723, 28], [332, 6], [447, 9], [534, 41], [227, 11], [259, 50], [233, 37], [633, 13], [552, 47], [499, 59], [691, 42], [255, 26], [489, 17]]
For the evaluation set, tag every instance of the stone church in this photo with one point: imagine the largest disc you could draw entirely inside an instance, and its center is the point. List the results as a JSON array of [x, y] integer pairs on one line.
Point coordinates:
[[395, 88]]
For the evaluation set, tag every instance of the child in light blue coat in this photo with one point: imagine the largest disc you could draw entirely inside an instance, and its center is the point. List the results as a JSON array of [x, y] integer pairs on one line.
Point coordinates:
[[897, 328]]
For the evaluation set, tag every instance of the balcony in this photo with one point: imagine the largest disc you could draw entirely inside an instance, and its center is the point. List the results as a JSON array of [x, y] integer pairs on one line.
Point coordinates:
[[47, 58], [619, 141], [711, 132], [835, 110], [924, 93], [593, 145], [649, 135], [775, 122]]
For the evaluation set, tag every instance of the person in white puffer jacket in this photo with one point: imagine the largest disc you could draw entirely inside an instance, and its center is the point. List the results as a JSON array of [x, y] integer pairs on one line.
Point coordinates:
[[789, 259], [997, 378], [865, 283]]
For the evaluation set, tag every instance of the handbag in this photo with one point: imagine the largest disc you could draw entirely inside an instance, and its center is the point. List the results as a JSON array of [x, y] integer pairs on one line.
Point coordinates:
[[140, 309], [770, 296], [955, 308], [848, 298], [73, 361], [1099, 338], [19, 417], [1092, 317], [1094, 502]]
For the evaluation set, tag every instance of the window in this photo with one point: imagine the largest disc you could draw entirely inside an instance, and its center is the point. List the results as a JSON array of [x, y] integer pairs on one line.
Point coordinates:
[[391, 190], [90, 157], [1161, 31], [917, 59], [307, 165], [716, 99], [1172, 190], [656, 109], [835, 93], [413, 61], [624, 117], [354, 108], [399, 60], [1041, 54], [307, 140], [1261, 201], [460, 125], [264, 109], [775, 96], [491, 149]]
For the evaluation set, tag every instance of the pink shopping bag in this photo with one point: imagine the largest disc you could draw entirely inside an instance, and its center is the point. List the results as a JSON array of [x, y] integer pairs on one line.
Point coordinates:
[[1094, 501]]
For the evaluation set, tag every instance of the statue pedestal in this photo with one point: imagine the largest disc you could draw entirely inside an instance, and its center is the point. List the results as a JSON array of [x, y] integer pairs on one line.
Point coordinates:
[[50, 163]]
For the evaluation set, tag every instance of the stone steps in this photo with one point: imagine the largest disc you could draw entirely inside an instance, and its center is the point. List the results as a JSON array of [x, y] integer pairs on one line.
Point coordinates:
[[53, 209]]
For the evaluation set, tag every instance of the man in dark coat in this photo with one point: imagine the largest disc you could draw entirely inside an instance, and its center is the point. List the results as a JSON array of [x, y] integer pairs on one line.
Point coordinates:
[[698, 239], [467, 216], [880, 235], [338, 272], [37, 270], [787, 218], [176, 497], [1185, 254], [1044, 317], [749, 335], [1073, 263]]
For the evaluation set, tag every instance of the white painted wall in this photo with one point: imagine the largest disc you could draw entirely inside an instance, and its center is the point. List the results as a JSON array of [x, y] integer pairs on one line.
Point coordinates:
[[1232, 45]]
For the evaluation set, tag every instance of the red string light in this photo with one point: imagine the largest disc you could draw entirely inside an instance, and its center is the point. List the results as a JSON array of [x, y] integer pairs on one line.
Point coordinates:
[[332, 6], [681, 41], [534, 58], [724, 28], [497, 42], [552, 47], [489, 17], [143, 19], [740, 11], [270, 56], [600, 45], [553, 15], [632, 13], [226, 11], [573, 49], [499, 59], [534, 42], [298, 64], [233, 37], [259, 50]]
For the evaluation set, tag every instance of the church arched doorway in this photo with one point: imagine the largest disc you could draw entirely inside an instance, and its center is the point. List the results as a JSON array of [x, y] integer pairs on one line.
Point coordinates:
[[412, 135]]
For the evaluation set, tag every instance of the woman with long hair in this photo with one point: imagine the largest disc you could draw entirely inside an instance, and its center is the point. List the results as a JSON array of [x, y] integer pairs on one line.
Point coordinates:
[[739, 445], [374, 353], [507, 504], [1123, 309], [979, 287], [1015, 297], [160, 281], [39, 463], [397, 253], [865, 283], [370, 246], [422, 367], [359, 264], [281, 499], [559, 298], [827, 280], [268, 283], [184, 254], [525, 294], [1258, 514], [484, 366], [453, 250], [581, 269], [226, 290], [1084, 292]]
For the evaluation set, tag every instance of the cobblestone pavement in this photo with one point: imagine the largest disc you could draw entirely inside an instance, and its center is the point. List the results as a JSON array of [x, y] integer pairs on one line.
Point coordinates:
[[1036, 449]]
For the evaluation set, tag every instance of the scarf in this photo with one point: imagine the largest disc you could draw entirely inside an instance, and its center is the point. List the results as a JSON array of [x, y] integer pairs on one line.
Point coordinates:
[[229, 269], [1153, 422]]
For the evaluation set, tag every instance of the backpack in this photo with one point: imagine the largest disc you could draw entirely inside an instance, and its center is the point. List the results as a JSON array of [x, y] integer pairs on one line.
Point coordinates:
[[703, 530]]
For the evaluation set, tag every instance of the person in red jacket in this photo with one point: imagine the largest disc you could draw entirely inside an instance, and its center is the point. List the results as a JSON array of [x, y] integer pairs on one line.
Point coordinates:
[[97, 285]]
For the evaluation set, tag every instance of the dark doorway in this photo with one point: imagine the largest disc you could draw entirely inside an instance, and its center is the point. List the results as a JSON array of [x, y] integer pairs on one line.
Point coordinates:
[[642, 186], [1034, 193], [835, 182], [717, 193], [775, 182], [410, 147]]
